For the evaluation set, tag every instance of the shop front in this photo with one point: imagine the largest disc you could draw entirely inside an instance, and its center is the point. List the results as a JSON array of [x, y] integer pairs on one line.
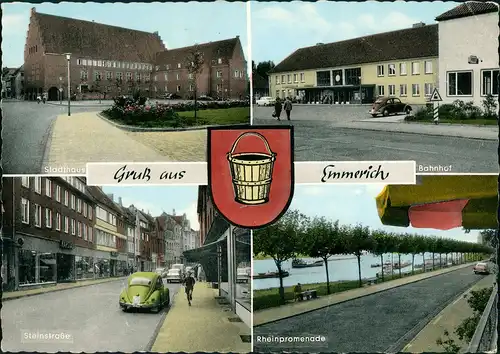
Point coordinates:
[[36, 261], [338, 94]]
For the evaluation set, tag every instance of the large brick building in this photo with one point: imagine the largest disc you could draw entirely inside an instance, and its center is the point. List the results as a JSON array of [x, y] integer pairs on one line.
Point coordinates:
[[107, 61]]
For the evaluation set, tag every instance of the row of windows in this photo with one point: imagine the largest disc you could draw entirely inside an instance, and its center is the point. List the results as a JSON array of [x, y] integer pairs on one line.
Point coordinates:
[[75, 182], [60, 195], [108, 75], [179, 65], [105, 215], [104, 238], [461, 83], [288, 78], [113, 64], [403, 90], [237, 74], [415, 68], [56, 221]]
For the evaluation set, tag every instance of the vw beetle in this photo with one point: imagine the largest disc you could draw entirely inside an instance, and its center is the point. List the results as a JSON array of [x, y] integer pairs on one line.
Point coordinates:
[[145, 290]]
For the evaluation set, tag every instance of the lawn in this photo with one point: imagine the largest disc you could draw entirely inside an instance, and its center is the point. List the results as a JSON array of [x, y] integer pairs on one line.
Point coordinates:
[[235, 115]]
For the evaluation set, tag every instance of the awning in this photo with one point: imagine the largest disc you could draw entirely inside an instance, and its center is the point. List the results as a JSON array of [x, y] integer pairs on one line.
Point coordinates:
[[441, 202], [196, 254], [48, 261]]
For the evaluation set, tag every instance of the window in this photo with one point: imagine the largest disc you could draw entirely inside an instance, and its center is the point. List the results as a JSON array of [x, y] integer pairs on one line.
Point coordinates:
[[219, 73], [323, 78], [90, 212], [58, 193], [178, 88], [415, 68], [79, 205], [73, 226], [79, 229], [428, 67], [352, 76], [90, 234], [97, 76], [191, 88], [166, 77], [177, 76], [38, 215], [302, 77], [392, 90], [380, 70], [236, 73], [25, 211], [403, 90], [78, 61], [219, 61], [66, 198], [392, 69], [415, 90], [295, 78], [48, 188], [94, 62], [38, 185], [428, 89], [58, 222], [289, 77], [277, 79], [402, 69], [66, 224], [283, 79], [460, 83], [489, 82], [380, 90], [25, 182], [179, 65], [48, 218]]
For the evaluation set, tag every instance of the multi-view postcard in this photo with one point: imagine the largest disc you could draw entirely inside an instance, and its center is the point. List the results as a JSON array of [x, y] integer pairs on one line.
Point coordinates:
[[381, 80], [87, 87]]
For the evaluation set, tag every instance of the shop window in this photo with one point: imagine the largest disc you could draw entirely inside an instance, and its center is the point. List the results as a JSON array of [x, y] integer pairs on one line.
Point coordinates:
[[30, 261], [84, 267]]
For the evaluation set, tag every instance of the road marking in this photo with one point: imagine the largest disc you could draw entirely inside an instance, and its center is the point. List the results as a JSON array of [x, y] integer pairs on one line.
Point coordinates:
[[407, 347], [437, 320], [411, 150]]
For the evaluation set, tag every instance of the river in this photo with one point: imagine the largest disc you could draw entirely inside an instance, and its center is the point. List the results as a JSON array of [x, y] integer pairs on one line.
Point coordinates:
[[339, 268]]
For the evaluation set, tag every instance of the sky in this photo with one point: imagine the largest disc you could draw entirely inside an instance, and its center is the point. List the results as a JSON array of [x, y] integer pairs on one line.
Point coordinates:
[[178, 24], [278, 29], [353, 204], [156, 200]]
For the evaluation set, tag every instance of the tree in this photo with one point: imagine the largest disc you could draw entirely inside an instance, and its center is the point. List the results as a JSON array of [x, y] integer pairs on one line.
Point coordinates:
[[97, 87], [280, 241], [358, 240], [382, 243], [194, 65], [118, 84], [263, 68], [323, 240]]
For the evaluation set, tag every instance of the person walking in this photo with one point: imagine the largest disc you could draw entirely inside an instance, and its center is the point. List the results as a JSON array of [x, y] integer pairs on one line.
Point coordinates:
[[189, 282], [288, 108], [38, 99], [277, 108]]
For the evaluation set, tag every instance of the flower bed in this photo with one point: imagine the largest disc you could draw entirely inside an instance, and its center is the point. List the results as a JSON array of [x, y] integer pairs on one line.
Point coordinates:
[[137, 112]]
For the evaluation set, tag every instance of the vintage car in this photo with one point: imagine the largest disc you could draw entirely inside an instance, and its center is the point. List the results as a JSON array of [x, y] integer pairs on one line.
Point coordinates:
[[265, 101], [482, 268], [389, 105], [145, 290], [174, 275]]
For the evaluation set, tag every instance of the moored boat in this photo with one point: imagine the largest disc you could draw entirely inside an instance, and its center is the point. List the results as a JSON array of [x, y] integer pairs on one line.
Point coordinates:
[[299, 263], [377, 265], [268, 275]]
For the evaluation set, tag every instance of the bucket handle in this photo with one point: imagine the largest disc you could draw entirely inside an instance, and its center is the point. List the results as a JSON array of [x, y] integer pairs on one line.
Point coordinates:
[[258, 135]]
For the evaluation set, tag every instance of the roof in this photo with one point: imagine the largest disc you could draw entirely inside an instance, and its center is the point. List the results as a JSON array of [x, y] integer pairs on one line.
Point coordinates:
[[96, 40], [470, 8], [211, 50], [403, 44], [102, 198]]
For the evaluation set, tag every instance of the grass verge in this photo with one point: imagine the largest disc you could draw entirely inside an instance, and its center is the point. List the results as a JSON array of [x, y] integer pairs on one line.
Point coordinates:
[[235, 115]]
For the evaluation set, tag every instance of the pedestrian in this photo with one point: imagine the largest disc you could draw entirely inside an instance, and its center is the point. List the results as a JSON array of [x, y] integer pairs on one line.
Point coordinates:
[[189, 282], [44, 98], [38, 99], [297, 290], [288, 107], [277, 108]]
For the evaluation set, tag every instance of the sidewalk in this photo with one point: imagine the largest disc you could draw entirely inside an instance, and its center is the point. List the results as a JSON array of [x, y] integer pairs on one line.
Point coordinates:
[[297, 308], [391, 124], [90, 103], [12, 295], [447, 320], [202, 327]]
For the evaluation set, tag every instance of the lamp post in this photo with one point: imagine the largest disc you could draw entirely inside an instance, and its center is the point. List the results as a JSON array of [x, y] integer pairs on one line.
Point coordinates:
[[360, 92], [68, 58], [60, 90]]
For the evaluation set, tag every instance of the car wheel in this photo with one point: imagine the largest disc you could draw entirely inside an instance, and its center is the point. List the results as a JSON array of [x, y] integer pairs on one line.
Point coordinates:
[[124, 309], [385, 113], [374, 115], [408, 111]]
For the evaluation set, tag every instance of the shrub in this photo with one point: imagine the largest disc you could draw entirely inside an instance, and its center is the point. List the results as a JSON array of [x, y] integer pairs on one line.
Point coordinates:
[[456, 111]]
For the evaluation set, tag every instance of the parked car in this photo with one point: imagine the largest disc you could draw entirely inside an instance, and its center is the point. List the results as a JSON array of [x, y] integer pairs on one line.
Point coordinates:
[[179, 266], [205, 98], [389, 105], [174, 276], [162, 272], [243, 275], [265, 101], [144, 290], [171, 96], [482, 268]]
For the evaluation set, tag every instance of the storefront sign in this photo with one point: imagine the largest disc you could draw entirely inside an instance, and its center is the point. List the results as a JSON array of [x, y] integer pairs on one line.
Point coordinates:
[[66, 245], [114, 254]]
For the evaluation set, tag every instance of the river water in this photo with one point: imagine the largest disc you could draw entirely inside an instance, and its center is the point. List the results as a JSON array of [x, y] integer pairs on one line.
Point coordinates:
[[339, 267]]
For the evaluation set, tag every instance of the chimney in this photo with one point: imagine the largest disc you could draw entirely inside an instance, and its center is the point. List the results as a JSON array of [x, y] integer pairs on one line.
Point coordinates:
[[120, 201], [156, 32], [110, 196], [418, 25], [173, 212]]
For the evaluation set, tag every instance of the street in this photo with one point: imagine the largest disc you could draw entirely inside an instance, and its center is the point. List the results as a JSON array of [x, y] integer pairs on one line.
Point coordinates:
[[90, 315], [326, 133], [26, 129], [384, 321]]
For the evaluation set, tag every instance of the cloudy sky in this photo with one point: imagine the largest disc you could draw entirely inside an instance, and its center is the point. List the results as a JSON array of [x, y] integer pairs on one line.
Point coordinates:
[[278, 29], [353, 204], [178, 24], [157, 200]]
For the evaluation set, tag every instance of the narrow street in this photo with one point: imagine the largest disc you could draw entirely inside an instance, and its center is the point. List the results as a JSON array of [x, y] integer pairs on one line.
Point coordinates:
[[90, 315]]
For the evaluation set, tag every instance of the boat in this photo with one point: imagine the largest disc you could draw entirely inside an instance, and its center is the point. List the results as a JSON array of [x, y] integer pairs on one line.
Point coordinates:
[[299, 263], [402, 265], [268, 275], [378, 265]]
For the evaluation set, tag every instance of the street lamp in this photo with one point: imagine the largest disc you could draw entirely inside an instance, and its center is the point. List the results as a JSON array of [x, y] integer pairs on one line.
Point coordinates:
[[60, 89], [68, 58], [360, 92]]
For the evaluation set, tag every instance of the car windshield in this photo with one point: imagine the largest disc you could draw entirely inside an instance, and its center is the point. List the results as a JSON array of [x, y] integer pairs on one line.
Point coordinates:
[[481, 265], [174, 271], [140, 281]]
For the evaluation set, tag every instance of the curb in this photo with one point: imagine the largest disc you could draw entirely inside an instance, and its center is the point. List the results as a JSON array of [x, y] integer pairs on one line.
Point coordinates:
[[361, 296], [419, 133], [81, 105], [144, 130], [48, 146], [158, 327], [57, 290]]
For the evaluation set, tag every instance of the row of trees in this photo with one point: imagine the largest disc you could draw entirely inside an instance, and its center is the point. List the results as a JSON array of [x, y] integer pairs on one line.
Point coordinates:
[[296, 234]]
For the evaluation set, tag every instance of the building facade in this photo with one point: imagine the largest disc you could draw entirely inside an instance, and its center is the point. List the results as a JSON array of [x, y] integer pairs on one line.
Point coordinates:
[[468, 52], [361, 69], [120, 61]]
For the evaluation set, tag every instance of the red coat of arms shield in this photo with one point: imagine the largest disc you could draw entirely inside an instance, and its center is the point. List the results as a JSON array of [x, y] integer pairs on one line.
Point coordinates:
[[250, 173]]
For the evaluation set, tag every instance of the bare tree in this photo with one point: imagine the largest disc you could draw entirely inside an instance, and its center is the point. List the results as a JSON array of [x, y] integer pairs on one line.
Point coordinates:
[[194, 65]]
